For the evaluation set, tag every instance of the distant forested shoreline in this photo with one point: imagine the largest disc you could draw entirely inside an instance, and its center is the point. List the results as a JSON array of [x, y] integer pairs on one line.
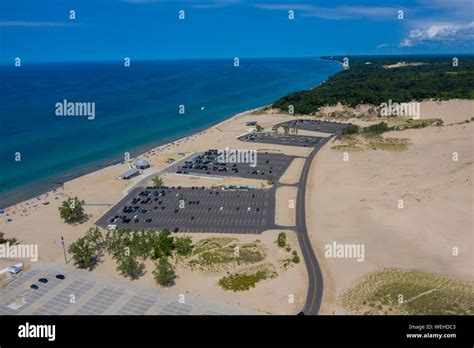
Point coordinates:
[[369, 81]]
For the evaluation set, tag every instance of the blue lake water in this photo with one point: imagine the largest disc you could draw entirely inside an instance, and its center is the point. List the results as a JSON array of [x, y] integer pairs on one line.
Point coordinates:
[[135, 108]]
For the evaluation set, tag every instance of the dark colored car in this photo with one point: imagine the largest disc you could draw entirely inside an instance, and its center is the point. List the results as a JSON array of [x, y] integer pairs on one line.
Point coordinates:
[[60, 276], [43, 280]]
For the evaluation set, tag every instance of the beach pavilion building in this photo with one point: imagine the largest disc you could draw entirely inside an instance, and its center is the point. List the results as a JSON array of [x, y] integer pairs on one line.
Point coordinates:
[[131, 173], [142, 164]]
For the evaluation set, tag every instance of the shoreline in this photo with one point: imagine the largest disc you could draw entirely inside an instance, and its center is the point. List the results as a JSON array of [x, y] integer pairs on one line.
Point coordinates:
[[53, 183]]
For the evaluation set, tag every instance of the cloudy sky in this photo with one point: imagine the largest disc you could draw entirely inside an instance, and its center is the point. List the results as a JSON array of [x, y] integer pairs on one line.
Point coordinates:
[[150, 29]]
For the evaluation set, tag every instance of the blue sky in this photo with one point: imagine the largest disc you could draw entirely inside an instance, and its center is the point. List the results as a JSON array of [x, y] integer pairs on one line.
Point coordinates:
[[37, 30]]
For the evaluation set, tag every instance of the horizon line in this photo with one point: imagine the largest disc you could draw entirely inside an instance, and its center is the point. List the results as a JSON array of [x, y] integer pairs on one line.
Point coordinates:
[[241, 57]]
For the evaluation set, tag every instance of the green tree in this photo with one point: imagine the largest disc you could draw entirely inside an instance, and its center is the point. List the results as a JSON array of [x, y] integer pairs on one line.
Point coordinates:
[[72, 210], [276, 127], [157, 181], [270, 179], [296, 258], [281, 241], [164, 272], [166, 242], [286, 128], [259, 128], [4, 240], [184, 245], [83, 253], [87, 250], [129, 266]]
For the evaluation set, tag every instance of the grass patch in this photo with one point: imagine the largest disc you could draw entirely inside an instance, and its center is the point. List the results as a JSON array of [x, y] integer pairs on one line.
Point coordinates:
[[215, 254], [241, 281], [396, 291], [246, 279], [211, 243]]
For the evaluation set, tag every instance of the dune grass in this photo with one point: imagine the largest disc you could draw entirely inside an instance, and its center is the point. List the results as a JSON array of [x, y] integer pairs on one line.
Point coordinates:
[[410, 292]]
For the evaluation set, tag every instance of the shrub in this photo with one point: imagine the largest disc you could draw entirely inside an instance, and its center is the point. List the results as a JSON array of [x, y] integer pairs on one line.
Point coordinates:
[[281, 241], [351, 129]]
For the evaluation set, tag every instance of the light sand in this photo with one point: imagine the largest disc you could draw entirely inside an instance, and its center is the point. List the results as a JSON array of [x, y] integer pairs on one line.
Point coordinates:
[[356, 202], [285, 205], [292, 174]]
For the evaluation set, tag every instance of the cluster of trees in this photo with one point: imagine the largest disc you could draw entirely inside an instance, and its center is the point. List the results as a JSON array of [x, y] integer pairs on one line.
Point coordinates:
[[374, 84], [130, 249]]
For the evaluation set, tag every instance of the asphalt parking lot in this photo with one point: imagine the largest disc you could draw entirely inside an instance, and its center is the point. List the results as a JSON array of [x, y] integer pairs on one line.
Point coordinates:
[[317, 125], [282, 139], [95, 294], [274, 164], [194, 209]]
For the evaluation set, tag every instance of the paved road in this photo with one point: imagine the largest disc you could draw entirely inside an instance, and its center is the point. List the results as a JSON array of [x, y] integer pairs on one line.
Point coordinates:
[[315, 278]]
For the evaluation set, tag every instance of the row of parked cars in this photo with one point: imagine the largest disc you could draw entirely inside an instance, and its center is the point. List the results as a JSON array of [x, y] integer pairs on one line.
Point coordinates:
[[45, 281]]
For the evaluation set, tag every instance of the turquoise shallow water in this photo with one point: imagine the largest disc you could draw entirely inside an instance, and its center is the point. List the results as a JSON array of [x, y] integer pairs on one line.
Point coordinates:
[[135, 108]]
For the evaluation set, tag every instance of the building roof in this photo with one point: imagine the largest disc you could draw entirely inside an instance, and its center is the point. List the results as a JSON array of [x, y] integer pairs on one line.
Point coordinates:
[[142, 163], [129, 173]]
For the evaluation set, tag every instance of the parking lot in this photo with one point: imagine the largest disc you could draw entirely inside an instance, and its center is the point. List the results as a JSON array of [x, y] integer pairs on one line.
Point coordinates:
[[282, 139], [207, 163], [195, 209], [317, 125], [95, 294]]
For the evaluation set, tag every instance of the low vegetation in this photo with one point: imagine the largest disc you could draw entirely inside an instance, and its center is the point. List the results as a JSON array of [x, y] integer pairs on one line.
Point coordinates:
[[270, 179], [212, 255], [246, 279], [371, 138], [281, 240], [409, 292], [296, 258], [4, 240]]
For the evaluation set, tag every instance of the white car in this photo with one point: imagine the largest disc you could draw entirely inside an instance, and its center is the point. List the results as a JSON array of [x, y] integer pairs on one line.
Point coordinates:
[[111, 227], [249, 209], [221, 209], [14, 270]]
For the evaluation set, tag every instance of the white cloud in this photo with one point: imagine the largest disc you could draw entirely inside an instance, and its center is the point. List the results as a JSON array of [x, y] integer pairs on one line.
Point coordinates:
[[382, 45], [444, 33], [340, 12]]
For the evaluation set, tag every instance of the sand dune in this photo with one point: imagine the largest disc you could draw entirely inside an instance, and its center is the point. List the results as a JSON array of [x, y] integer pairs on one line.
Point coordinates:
[[357, 202]]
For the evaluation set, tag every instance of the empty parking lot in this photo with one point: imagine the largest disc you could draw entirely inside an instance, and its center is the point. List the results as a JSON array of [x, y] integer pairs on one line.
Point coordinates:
[[282, 139], [316, 125], [195, 209], [86, 293], [208, 163]]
